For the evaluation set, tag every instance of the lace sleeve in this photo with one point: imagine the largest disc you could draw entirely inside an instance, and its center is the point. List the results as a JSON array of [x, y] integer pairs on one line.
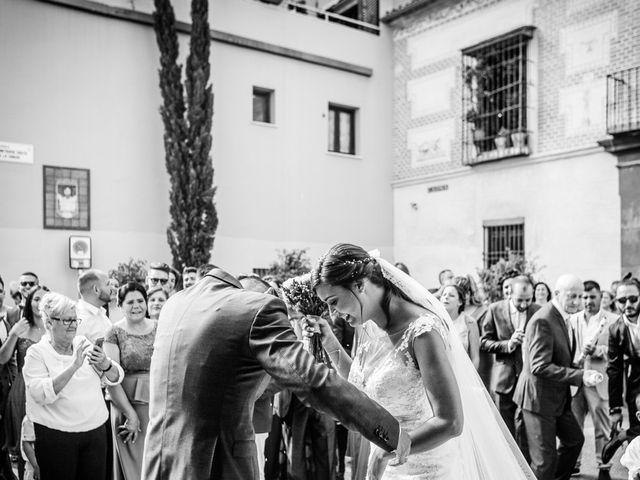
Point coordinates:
[[421, 326], [112, 335]]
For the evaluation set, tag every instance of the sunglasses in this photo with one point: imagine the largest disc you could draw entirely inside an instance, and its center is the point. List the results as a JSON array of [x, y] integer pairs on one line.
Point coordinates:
[[66, 321], [27, 284], [623, 300], [163, 281]]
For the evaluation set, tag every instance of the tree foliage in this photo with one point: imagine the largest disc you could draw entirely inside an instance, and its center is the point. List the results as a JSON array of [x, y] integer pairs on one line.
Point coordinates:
[[290, 263], [491, 278], [131, 271], [187, 112]]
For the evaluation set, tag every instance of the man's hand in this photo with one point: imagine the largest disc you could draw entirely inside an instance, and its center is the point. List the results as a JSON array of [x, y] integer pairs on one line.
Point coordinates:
[[516, 339], [591, 378], [588, 349], [616, 420]]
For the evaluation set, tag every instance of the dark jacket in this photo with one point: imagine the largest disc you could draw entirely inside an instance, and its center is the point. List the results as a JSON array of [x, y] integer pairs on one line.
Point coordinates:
[[623, 362], [214, 346], [547, 370], [497, 329]]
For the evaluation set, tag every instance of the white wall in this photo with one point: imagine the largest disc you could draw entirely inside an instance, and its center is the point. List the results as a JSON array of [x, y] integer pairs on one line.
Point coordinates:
[[570, 206], [83, 89]]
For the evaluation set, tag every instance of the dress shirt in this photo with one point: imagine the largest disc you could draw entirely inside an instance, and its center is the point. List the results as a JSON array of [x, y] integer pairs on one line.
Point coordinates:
[[94, 322], [567, 321], [588, 330], [634, 330], [518, 318], [79, 406]]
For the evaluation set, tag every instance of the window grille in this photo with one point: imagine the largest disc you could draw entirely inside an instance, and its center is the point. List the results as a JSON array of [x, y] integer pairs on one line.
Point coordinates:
[[494, 100], [342, 129], [501, 239]]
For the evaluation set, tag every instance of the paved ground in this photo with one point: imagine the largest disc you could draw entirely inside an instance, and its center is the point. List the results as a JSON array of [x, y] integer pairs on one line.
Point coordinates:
[[588, 469]]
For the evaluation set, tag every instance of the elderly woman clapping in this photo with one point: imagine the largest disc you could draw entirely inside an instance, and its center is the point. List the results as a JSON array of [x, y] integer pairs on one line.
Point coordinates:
[[63, 376]]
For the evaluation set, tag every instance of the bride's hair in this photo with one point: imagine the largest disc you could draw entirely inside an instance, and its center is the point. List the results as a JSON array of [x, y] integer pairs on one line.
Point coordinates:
[[345, 264]]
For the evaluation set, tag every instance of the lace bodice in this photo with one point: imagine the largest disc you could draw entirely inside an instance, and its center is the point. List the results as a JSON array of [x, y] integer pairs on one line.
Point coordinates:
[[384, 368], [135, 350]]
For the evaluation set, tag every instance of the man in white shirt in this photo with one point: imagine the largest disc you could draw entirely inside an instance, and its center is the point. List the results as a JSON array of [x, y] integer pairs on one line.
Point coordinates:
[[95, 293], [591, 332]]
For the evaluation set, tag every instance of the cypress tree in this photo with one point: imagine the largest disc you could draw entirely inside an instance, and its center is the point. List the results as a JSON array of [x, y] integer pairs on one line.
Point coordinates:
[[187, 112]]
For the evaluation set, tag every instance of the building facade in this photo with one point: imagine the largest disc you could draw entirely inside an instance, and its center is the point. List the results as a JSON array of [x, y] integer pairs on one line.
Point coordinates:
[[499, 108], [301, 144]]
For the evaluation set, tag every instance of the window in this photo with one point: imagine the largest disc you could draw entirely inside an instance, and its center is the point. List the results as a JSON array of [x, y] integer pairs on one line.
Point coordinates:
[[342, 129], [263, 105], [261, 272], [494, 101], [502, 238]]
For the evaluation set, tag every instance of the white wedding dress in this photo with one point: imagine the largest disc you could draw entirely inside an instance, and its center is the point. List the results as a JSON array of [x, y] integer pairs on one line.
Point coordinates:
[[383, 367], [389, 375]]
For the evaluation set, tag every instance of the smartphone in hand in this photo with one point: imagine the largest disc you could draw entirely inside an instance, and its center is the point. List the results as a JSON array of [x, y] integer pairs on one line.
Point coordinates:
[[99, 342]]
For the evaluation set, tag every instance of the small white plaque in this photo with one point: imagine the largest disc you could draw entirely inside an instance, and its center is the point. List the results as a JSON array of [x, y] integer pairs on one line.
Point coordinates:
[[16, 152]]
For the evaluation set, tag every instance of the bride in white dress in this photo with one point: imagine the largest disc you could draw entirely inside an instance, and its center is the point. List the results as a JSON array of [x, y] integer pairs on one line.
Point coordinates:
[[409, 359]]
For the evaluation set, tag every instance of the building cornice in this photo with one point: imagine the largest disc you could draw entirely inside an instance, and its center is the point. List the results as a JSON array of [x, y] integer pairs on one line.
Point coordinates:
[[144, 18], [517, 162]]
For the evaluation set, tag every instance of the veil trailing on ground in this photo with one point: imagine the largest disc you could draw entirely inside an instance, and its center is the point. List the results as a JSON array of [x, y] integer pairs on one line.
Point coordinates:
[[488, 449]]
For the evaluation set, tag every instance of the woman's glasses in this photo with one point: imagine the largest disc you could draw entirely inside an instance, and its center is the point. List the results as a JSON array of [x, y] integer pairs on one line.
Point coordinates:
[[66, 321], [623, 300]]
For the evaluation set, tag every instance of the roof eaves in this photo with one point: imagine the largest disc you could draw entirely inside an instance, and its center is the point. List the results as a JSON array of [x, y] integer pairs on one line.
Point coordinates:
[[406, 9]]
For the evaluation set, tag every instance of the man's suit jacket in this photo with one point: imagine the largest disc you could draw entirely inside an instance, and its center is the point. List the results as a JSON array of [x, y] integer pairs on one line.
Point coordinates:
[[497, 329], [598, 360], [214, 347], [623, 362], [547, 372]]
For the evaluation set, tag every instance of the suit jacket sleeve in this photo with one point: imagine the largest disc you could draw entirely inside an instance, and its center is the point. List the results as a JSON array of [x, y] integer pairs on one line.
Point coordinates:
[[489, 341], [540, 344], [279, 352], [615, 366]]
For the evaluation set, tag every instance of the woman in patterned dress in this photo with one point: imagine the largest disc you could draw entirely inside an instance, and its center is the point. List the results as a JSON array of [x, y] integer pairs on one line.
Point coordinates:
[[130, 343]]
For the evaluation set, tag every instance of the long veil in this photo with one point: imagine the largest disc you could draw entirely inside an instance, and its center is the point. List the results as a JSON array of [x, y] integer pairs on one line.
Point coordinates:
[[489, 452]]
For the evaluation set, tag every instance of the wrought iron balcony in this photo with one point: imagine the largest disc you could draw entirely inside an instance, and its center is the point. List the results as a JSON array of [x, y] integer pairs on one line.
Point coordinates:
[[623, 101]]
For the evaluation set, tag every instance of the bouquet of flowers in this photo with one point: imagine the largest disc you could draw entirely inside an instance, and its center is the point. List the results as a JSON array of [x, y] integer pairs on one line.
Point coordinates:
[[299, 294]]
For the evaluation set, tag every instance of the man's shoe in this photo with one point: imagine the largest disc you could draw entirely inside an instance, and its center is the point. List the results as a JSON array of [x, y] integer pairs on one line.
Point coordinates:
[[604, 475], [610, 448]]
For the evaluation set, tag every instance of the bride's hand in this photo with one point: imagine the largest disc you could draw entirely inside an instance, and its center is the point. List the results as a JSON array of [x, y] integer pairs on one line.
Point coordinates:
[[312, 324]]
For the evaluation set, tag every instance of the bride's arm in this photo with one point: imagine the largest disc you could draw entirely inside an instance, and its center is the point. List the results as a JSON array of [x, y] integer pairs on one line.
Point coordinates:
[[441, 387]]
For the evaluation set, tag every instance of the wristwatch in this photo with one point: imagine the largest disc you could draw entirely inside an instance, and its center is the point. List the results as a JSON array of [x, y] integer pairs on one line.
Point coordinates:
[[613, 410]]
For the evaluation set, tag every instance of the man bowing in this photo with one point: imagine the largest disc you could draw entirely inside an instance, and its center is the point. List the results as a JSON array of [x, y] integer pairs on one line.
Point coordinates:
[[215, 347]]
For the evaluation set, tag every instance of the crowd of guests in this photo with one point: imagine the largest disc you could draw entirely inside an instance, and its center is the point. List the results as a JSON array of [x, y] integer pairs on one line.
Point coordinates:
[[74, 375]]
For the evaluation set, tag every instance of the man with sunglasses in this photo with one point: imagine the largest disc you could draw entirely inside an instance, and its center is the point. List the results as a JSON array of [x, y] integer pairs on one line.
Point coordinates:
[[27, 281], [624, 364], [158, 276]]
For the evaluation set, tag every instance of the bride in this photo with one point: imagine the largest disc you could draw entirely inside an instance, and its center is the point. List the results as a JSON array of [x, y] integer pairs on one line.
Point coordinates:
[[408, 358]]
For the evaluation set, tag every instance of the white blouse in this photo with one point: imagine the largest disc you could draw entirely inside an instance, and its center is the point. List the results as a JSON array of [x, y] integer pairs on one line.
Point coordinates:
[[79, 406]]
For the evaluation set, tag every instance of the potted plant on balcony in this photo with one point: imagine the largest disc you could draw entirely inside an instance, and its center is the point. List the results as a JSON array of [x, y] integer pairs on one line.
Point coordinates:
[[519, 140], [501, 139], [473, 119]]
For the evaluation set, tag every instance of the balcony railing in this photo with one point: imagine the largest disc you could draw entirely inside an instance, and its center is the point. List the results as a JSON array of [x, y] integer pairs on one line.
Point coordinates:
[[623, 101], [298, 7]]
